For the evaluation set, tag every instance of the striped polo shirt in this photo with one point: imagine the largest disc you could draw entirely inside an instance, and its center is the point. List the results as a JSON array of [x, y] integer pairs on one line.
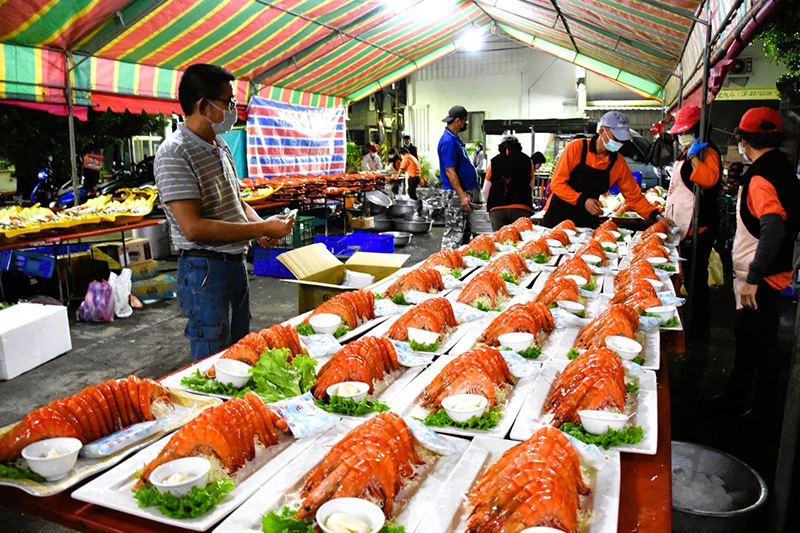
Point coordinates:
[[189, 168]]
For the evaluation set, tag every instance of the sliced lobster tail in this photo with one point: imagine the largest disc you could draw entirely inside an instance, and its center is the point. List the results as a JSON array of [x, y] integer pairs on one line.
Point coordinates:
[[593, 247], [618, 319], [512, 263], [444, 261], [523, 224], [573, 265], [355, 307], [421, 279], [556, 289], [529, 317], [559, 235], [533, 248], [481, 243], [508, 234], [434, 314], [366, 360], [485, 289], [483, 363], [566, 224]]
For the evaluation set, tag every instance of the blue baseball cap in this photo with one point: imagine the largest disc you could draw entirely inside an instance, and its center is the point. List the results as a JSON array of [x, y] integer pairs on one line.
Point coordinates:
[[618, 123]]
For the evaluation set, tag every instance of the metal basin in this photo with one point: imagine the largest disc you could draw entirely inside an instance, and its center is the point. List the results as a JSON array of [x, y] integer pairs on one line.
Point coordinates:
[[401, 238], [401, 210], [746, 488], [382, 224], [413, 226]]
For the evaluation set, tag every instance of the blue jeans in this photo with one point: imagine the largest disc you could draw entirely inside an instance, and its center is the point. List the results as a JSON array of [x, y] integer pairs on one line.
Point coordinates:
[[215, 296]]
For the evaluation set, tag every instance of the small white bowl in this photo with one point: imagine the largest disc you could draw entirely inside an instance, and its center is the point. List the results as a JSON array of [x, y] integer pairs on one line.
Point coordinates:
[[554, 243], [615, 233], [232, 372], [517, 340], [580, 280], [655, 261], [541, 529], [624, 347], [571, 307], [346, 389], [476, 406], [657, 284], [598, 422], [591, 259], [664, 312], [662, 236], [570, 232], [606, 244], [57, 467], [422, 336], [362, 510], [325, 322], [196, 468]]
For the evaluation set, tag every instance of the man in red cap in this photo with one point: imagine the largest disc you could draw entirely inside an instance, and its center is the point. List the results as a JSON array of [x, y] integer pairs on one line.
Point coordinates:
[[698, 163], [372, 161], [767, 224]]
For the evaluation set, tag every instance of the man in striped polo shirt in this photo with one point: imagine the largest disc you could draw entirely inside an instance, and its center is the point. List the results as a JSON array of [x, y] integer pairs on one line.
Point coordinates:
[[209, 223]]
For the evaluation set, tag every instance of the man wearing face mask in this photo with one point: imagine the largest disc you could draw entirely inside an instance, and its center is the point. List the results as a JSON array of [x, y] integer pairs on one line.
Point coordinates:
[[459, 179], [210, 224], [767, 224], [586, 169], [698, 163]]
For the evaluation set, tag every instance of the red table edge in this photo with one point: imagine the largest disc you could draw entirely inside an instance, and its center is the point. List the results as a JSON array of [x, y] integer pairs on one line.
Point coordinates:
[[58, 238], [645, 479]]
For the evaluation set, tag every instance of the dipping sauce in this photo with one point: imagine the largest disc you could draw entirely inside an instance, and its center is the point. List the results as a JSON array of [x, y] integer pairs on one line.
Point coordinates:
[[347, 390], [468, 405], [177, 477], [343, 523]]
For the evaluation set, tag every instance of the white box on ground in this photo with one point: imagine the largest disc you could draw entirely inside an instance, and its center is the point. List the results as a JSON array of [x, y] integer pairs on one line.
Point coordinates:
[[30, 335]]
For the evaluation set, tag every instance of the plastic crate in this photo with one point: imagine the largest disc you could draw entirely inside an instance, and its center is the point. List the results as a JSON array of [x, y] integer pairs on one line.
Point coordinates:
[[37, 262], [301, 235], [265, 263], [335, 244], [368, 242]]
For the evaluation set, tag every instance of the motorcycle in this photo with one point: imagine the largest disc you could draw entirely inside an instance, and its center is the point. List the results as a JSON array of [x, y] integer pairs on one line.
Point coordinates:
[[45, 191]]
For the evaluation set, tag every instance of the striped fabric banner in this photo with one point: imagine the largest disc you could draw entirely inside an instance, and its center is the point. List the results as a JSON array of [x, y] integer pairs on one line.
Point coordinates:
[[286, 139]]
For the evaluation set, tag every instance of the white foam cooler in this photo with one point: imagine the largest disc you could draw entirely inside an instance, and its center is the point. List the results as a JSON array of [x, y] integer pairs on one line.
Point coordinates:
[[30, 335]]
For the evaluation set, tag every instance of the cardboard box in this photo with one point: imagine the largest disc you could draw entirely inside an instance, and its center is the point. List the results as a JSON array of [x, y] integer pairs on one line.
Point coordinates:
[[320, 275], [362, 223], [136, 251], [160, 287], [30, 335], [144, 270]]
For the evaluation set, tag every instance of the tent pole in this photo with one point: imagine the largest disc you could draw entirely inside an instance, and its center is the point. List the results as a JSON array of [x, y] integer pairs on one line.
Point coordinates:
[[701, 138], [71, 121]]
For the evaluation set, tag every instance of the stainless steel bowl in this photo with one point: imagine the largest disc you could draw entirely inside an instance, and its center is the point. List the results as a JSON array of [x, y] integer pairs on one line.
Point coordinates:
[[743, 484], [401, 238], [412, 226], [383, 224], [401, 210]]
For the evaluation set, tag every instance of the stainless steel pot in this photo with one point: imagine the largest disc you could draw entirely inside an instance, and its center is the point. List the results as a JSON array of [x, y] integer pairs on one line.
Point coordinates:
[[401, 210], [412, 226], [401, 238], [383, 224]]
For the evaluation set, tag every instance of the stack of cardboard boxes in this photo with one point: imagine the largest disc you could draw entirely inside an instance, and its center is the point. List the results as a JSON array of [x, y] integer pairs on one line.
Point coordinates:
[[147, 284]]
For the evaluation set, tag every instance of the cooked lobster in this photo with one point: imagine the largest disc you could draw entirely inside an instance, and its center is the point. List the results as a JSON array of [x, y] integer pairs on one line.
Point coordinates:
[[485, 289], [573, 265], [638, 295], [556, 289], [531, 249], [434, 314], [559, 235], [477, 371], [481, 243], [512, 264], [444, 261], [355, 307], [592, 247], [87, 416], [618, 319], [523, 224], [250, 347], [508, 234], [530, 317], [420, 279]]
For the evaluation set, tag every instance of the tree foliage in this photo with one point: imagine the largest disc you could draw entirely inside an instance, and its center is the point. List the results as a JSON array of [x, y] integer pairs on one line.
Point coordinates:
[[28, 137], [782, 42]]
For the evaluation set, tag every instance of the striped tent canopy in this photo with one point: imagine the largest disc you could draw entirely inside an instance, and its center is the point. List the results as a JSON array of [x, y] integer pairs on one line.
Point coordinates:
[[327, 52]]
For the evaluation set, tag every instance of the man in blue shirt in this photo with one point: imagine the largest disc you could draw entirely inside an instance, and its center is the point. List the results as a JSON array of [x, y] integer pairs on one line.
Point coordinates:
[[459, 179]]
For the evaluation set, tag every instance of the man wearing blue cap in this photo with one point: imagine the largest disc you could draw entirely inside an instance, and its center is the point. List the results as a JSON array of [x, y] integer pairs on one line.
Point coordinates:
[[586, 169]]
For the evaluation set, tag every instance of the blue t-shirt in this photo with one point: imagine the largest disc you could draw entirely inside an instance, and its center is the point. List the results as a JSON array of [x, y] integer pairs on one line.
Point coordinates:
[[452, 153]]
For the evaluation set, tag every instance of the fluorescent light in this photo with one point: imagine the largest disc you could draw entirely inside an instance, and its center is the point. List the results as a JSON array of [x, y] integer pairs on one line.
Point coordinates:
[[471, 40]]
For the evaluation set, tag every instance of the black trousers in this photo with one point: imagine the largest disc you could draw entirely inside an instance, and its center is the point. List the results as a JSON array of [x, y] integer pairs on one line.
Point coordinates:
[[413, 183], [698, 300], [502, 216]]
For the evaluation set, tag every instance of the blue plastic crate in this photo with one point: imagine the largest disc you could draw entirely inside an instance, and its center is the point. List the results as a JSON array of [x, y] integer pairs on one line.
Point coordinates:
[[37, 262], [334, 244], [265, 263], [368, 242]]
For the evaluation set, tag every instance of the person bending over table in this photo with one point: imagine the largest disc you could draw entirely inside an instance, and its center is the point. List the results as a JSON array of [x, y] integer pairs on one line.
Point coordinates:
[[410, 166], [586, 169], [210, 224], [508, 188]]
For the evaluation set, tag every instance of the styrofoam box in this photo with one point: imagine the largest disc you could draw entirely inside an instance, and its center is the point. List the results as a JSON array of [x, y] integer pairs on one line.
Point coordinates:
[[30, 335]]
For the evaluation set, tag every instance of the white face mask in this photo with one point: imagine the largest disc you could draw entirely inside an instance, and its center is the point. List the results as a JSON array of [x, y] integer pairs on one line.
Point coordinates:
[[228, 120], [686, 139], [744, 155]]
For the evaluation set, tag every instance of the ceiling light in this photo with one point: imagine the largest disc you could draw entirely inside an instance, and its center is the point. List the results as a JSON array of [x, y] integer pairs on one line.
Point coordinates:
[[471, 40]]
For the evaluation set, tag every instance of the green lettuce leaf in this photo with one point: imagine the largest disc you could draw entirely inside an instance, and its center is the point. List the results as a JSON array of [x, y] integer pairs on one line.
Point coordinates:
[[481, 307], [304, 328], [631, 387], [591, 285], [400, 299], [19, 472], [488, 420], [350, 407], [541, 258], [532, 352], [509, 277], [344, 328], [483, 254], [628, 435], [285, 522], [419, 347], [200, 383], [456, 273], [198, 502], [639, 360], [274, 379], [572, 353]]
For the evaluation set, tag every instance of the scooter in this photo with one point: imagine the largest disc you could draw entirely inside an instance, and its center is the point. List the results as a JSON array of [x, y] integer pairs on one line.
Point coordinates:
[[45, 191]]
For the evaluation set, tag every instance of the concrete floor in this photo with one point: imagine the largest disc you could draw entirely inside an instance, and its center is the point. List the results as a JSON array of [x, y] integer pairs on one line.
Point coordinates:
[[151, 344]]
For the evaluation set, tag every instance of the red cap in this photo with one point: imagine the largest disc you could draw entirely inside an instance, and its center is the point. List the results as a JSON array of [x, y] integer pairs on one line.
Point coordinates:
[[373, 148], [761, 120], [685, 118]]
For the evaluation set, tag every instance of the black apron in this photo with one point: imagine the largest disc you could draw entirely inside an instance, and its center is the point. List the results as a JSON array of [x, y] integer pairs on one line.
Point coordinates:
[[589, 181]]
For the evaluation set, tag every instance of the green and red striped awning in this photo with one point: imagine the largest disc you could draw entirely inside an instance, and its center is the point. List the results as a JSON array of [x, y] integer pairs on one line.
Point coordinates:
[[326, 52]]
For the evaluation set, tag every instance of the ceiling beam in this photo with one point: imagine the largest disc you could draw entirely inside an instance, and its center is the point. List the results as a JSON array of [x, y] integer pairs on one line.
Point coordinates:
[[566, 26]]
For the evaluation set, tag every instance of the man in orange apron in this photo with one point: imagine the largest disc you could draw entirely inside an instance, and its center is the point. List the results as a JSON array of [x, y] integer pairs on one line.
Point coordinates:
[[699, 163], [586, 169], [767, 224]]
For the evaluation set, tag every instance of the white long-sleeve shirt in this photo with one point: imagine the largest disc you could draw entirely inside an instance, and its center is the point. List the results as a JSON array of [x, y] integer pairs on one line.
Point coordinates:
[[371, 162]]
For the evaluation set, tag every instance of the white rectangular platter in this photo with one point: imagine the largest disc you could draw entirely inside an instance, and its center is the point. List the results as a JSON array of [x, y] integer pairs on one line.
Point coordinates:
[[449, 511], [450, 341], [113, 489], [350, 335], [411, 504], [642, 407], [406, 404]]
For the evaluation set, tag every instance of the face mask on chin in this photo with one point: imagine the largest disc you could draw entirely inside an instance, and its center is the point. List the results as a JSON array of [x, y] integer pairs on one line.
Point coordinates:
[[686, 140], [612, 145], [228, 120]]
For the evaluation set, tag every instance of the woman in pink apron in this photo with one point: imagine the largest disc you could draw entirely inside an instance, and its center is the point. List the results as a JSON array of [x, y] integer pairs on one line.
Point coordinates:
[[699, 163]]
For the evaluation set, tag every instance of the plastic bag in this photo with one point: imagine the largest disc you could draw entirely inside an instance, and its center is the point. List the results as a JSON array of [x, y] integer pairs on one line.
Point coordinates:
[[98, 304], [122, 292], [715, 275]]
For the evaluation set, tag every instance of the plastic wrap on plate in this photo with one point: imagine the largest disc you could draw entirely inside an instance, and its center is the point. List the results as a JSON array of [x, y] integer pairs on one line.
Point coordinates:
[[320, 345], [406, 356], [303, 416]]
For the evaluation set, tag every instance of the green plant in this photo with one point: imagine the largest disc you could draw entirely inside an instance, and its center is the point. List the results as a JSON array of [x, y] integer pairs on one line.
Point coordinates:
[[353, 157], [782, 45], [424, 166]]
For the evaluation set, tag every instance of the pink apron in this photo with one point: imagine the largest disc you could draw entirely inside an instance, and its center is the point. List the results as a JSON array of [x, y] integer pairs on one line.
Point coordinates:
[[680, 201]]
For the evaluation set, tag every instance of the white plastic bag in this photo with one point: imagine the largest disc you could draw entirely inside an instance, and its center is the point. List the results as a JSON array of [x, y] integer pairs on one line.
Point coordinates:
[[122, 292]]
